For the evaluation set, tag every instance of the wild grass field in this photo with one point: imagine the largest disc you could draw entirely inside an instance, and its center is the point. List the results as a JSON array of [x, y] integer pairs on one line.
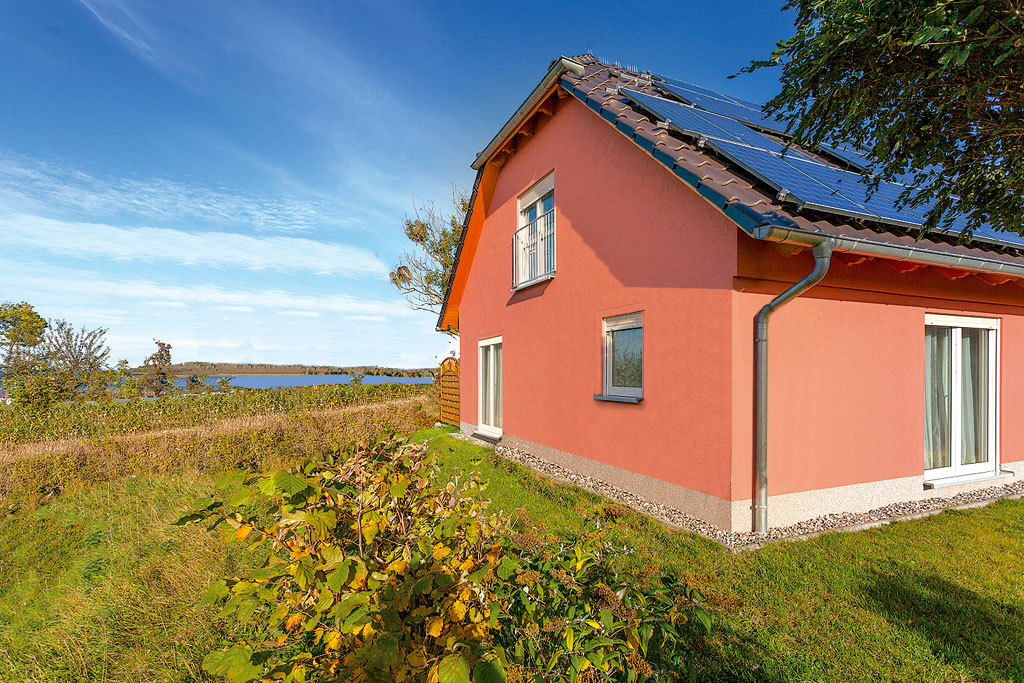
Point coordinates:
[[96, 585]]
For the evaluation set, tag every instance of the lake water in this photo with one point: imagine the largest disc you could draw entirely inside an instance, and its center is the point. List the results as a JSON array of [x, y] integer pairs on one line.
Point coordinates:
[[277, 381]]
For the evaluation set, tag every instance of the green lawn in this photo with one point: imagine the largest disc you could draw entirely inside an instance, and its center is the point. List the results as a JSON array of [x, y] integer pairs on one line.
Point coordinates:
[[96, 585], [937, 599]]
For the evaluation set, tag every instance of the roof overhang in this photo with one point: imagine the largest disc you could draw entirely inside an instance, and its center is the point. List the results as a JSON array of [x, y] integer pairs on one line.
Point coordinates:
[[484, 184], [551, 78]]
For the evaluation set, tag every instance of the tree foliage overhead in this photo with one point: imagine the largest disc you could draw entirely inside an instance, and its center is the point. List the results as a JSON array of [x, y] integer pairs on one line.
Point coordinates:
[[929, 88], [422, 274]]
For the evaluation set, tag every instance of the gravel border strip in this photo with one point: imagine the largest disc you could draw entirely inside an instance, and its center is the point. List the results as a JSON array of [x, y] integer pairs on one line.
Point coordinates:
[[841, 521]]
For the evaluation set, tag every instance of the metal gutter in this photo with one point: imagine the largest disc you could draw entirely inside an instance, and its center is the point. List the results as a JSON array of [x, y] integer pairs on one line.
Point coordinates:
[[893, 252], [555, 71], [823, 246], [822, 259]]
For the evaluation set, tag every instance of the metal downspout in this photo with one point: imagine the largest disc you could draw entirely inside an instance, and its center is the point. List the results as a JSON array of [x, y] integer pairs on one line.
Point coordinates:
[[822, 259]]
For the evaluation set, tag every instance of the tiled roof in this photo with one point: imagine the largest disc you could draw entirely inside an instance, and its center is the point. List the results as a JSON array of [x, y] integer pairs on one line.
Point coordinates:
[[750, 203], [747, 201]]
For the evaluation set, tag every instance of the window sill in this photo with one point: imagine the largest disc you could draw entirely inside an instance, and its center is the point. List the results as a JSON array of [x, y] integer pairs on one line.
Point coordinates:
[[535, 281], [618, 399], [967, 479]]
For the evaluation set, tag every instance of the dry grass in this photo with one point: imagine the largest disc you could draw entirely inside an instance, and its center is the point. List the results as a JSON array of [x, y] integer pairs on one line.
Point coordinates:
[[111, 418], [39, 471]]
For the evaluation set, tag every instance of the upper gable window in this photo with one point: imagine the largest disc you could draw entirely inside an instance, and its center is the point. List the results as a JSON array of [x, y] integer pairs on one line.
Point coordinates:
[[534, 242]]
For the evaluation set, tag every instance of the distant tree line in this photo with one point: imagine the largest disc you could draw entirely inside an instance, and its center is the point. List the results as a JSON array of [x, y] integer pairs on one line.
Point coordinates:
[[208, 368]]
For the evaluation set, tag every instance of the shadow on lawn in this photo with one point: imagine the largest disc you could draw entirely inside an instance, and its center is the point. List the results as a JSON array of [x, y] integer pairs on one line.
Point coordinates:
[[961, 625]]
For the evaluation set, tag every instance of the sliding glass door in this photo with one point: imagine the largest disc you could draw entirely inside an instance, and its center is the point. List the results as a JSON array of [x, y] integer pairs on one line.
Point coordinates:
[[961, 364], [490, 387]]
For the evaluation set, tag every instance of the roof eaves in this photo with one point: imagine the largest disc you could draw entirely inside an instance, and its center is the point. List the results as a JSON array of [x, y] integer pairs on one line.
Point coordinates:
[[555, 71]]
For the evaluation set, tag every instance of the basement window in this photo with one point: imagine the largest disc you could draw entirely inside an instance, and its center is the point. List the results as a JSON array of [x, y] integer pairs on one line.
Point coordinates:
[[534, 240]]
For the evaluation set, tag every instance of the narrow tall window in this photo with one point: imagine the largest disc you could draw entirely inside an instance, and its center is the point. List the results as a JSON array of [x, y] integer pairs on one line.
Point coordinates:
[[961, 373], [534, 241], [490, 387], [624, 356]]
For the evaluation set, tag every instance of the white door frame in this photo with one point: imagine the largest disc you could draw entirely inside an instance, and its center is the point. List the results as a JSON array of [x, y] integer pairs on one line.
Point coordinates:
[[956, 469], [482, 427]]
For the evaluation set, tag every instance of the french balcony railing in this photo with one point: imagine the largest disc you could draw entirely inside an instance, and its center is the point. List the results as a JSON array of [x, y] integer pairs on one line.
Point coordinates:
[[534, 249]]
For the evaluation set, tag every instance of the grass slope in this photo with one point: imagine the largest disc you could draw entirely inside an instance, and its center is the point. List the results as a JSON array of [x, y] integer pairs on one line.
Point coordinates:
[[95, 585], [938, 599]]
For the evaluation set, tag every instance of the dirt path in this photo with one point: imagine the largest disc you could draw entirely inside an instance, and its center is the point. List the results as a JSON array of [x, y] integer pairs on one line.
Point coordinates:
[[230, 424]]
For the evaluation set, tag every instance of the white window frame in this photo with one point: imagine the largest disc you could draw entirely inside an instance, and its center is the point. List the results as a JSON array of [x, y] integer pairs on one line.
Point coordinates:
[[482, 427], [612, 324], [956, 324], [532, 196]]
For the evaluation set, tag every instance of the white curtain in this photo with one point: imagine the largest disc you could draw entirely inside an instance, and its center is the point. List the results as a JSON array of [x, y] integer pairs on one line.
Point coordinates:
[[937, 399], [974, 385]]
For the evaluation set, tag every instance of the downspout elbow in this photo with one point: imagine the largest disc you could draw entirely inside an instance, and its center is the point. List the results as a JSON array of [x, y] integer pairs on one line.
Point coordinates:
[[822, 260]]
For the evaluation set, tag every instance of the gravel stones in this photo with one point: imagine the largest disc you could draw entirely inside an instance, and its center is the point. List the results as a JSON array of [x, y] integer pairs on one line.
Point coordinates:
[[848, 521]]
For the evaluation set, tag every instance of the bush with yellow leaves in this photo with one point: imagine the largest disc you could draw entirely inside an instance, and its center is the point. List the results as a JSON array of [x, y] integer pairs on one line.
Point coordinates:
[[379, 572]]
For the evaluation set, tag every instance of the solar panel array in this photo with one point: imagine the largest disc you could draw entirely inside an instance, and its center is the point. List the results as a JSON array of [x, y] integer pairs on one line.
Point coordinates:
[[723, 123], [725, 105]]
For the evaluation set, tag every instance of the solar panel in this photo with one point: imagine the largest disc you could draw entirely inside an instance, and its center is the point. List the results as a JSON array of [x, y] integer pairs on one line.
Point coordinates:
[[698, 89], [781, 175], [881, 203], [722, 104], [703, 123], [856, 159], [724, 121]]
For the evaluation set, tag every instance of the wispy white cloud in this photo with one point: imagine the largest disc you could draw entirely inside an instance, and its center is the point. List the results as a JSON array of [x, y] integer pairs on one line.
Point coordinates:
[[92, 287], [159, 34], [165, 245], [54, 187], [303, 314]]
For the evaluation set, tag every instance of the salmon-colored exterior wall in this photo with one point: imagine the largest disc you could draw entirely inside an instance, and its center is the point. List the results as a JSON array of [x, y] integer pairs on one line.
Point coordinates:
[[846, 366], [627, 240]]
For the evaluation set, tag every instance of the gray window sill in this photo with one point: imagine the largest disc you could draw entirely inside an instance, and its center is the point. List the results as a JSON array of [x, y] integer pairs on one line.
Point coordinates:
[[536, 281], [968, 479], [618, 399]]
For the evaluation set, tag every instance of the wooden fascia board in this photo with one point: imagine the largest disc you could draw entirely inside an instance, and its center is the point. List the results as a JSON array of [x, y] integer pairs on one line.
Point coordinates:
[[478, 212], [470, 240]]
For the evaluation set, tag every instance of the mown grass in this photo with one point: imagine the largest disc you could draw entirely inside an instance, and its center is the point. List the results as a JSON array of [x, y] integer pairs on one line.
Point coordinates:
[[97, 420], [95, 585], [937, 599]]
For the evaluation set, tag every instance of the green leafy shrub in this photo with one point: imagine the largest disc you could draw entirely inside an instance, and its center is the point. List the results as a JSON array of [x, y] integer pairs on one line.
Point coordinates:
[[378, 571]]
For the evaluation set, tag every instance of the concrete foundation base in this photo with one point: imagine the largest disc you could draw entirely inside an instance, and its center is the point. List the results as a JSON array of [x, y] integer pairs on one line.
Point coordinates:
[[737, 516]]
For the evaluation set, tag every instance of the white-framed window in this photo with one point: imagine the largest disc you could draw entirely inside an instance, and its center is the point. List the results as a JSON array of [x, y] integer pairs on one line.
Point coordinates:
[[961, 396], [489, 404], [624, 356], [534, 239]]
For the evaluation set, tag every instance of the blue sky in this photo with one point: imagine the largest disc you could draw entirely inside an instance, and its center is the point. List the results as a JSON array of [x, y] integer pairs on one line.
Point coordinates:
[[231, 177]]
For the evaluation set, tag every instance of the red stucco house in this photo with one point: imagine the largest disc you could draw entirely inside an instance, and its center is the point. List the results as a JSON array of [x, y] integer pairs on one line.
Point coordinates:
[[617, 294]]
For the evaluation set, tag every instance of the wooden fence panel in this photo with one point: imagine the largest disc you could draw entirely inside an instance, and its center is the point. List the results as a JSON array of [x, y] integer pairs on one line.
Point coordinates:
[[449, 381]]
